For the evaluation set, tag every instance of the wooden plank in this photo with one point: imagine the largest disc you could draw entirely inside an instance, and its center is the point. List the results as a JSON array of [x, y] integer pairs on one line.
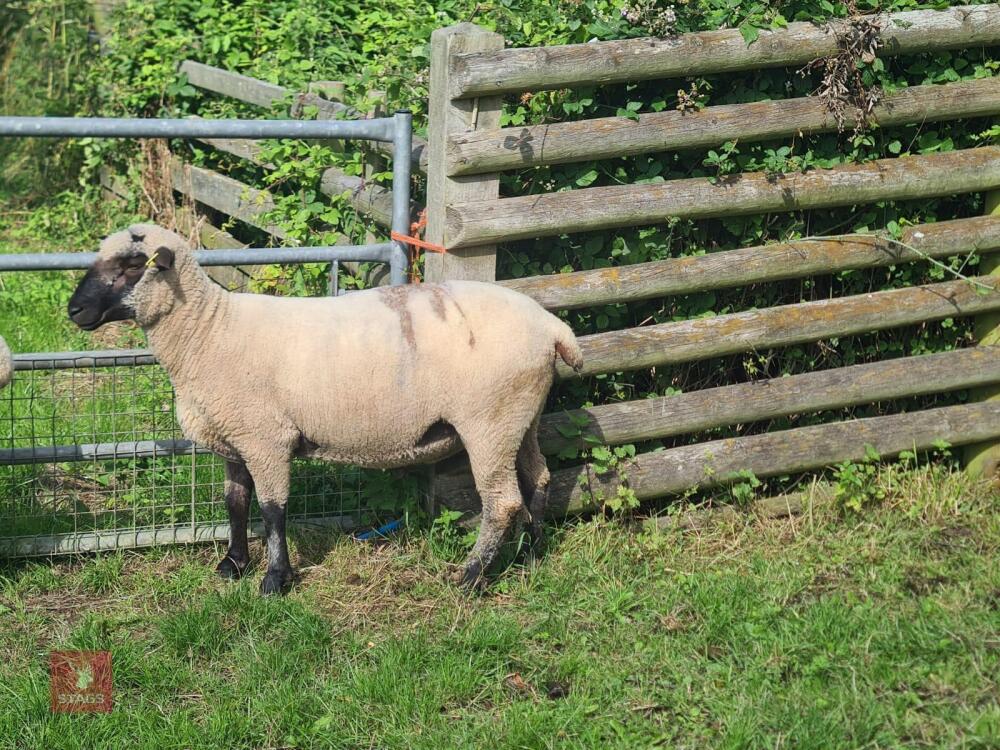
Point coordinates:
[[646, 419], [445, 118], [257, 92], [703, 338], [114, 185], [611, 137], [225, 194], [907, 178], [718, 462], [367, 198], [233, 278], [241, 147], [512, 71], [753, 265], [227, 83], [264, 94], [983, 459]]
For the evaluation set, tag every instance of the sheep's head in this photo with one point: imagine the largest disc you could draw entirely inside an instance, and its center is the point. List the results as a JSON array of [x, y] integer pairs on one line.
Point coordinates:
[[123, 283]]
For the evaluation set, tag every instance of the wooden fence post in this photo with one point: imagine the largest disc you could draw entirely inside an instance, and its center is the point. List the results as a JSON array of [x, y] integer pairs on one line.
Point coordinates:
[[983, 459], [448, 116]]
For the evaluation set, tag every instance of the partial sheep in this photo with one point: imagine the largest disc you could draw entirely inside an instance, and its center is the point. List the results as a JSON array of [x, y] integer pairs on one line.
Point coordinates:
[[380, 378], [6, 364]]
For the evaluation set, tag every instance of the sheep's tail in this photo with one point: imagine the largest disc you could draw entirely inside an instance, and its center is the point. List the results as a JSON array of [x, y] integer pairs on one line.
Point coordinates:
[[567, 347]]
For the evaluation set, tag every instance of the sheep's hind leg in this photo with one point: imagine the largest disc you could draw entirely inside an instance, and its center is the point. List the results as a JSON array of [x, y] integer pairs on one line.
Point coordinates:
[[502, 504], [238, 489], [271, 477], [533, 474]]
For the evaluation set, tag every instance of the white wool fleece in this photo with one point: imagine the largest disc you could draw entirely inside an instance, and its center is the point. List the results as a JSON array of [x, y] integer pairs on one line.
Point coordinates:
[[6, 364]]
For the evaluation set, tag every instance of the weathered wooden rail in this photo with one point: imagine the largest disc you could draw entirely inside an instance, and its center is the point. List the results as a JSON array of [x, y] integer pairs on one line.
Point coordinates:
[[592, 209], [604, 138], [511, 71], [471, 71], [756, 265]]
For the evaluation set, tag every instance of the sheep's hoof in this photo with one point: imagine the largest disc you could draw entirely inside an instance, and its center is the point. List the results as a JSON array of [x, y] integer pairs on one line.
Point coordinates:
[[472, 578], [536, 541], [276, 582], [231, 570]]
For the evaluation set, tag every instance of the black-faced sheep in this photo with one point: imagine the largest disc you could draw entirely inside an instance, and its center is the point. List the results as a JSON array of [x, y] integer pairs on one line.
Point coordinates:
[[6, 363], [260, 380]]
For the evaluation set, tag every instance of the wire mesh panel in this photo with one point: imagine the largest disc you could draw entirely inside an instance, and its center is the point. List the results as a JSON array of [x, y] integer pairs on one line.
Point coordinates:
[[92, 457]]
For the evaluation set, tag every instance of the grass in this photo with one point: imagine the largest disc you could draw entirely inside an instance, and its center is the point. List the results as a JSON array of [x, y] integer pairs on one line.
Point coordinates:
[[879, 629]]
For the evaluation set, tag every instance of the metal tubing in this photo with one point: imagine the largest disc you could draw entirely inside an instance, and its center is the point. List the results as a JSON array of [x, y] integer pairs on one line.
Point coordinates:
[[381, 253], [402, 143], [44, 545], [381, 129], [74, 360], [47, 454]]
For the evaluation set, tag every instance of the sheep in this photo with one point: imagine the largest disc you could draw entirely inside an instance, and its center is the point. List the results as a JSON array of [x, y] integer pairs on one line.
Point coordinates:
[[6, 364], [260, 380]]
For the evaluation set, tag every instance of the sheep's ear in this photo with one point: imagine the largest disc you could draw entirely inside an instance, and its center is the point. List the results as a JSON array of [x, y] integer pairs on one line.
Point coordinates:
[[163, 258]]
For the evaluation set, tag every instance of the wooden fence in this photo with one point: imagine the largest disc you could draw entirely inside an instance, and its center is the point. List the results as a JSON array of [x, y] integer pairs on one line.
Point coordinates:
[[471, 71]]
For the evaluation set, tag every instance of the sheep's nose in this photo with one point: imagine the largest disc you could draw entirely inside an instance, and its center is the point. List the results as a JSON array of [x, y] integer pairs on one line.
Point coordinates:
[[75, 310]]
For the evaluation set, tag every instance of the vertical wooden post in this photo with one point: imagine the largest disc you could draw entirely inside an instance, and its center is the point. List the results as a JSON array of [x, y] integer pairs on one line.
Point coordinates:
[[449, 116], [983, 459]]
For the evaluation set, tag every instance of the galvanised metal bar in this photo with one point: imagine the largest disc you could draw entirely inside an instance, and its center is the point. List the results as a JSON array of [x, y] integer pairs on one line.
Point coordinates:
[[48, 454], [401, 145], [83, 360], [111, 539], [381, 129], [377, 253]]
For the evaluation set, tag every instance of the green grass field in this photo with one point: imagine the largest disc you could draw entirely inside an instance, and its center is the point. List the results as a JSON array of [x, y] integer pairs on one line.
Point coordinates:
[[817, 631]]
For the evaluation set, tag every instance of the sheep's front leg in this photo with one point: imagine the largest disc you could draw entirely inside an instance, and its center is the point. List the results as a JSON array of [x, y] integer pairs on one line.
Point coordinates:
[[238, 489], [271, 477]]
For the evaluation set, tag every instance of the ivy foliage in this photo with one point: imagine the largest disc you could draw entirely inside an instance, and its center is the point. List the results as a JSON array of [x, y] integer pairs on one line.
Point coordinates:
[[383, 47]]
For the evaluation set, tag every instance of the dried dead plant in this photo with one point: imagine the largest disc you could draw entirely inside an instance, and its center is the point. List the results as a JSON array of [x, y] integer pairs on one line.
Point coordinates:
[[842, 88]]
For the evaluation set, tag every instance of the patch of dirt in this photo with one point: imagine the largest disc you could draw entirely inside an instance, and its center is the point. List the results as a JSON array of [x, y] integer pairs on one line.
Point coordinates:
[[919, 584], [950, 539], [823, 582], [679, 620], [359, 586]]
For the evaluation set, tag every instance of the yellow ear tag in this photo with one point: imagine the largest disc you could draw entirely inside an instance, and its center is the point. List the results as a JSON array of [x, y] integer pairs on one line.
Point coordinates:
[[152, 261]]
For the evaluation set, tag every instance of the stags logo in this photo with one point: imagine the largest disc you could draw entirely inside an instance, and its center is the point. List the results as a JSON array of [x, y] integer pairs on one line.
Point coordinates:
[[80, 681]]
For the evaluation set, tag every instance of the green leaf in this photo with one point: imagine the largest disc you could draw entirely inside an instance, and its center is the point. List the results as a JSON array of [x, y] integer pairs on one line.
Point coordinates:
[[568, 431], [750, 33], [587, 178]]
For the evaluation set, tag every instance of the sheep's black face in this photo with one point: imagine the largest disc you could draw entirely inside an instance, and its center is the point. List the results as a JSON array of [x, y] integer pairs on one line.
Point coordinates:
[[103, 293]]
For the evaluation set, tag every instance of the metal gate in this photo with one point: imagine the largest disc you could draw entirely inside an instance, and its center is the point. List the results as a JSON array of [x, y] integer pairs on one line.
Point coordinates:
[[91, 457]]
